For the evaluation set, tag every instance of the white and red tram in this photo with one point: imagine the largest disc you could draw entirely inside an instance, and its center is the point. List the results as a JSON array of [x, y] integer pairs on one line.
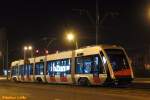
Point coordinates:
[[92, 65]]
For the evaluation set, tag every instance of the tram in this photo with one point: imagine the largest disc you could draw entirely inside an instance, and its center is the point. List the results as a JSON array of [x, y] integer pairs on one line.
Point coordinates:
[[91, 65]]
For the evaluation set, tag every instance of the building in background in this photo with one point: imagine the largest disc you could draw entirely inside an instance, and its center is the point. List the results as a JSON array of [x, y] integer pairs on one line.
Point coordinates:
[[140, 61]]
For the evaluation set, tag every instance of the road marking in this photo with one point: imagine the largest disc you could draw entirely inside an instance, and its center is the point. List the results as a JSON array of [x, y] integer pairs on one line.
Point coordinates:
[[57, 99]]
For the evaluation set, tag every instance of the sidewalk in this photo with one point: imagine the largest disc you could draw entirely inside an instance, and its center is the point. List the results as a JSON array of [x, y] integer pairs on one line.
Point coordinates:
[[141, 80]]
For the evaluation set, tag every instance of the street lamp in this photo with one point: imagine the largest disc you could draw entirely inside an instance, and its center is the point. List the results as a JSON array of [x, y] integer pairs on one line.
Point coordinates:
[[25, 48], [28, 48], [71, 37]]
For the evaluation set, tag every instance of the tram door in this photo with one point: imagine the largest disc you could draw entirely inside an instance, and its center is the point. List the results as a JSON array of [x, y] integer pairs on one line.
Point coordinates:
[[99, 72]]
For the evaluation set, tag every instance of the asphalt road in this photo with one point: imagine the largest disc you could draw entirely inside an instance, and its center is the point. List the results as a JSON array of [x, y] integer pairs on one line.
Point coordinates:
[[34, 91]]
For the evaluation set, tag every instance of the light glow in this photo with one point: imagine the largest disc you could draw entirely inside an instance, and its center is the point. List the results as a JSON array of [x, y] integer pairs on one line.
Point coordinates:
[[30, 47], [46, 51], [70, 37], [37, 51], [25, 48]]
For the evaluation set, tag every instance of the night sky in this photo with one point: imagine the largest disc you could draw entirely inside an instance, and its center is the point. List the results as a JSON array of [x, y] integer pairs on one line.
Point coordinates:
[[28, 22]]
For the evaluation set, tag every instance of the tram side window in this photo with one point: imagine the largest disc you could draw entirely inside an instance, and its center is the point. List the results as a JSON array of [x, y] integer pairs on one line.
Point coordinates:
[[59, 67], [84, 65], [30, 69], [25, 69], [65, 67], [39, 68], [87, 64], [21, 69], [54, 67], [79, 65], [67, 64], [96, 67], [50, 68], [14, 70]]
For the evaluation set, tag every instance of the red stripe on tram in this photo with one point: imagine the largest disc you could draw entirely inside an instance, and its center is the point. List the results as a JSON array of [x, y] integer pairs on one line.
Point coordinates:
[[29, 78], [125, 72], [22, 77], [96, 80], [52, 79], [63, 79]]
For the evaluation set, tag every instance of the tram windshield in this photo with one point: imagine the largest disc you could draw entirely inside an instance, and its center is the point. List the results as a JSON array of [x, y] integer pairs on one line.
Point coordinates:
[[117, 59]]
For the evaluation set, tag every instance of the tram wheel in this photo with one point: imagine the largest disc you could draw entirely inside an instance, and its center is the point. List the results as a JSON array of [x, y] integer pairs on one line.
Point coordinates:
[[84, 82], [39, 80], [15, 79]]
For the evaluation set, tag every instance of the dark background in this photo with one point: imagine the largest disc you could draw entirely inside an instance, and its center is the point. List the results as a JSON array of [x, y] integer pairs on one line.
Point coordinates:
[[25, 22], [29, 21]]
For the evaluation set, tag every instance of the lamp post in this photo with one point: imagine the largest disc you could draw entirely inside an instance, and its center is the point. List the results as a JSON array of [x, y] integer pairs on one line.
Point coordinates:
[[71, 37], [25, 49], [7, 58]]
